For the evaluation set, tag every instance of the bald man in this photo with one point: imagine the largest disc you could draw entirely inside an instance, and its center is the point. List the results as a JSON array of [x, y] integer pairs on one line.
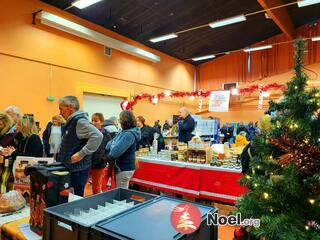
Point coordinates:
[[186, 125]]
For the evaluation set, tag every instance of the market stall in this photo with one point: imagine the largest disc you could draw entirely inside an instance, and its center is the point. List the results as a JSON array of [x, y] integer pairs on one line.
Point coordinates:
[[191, 179]]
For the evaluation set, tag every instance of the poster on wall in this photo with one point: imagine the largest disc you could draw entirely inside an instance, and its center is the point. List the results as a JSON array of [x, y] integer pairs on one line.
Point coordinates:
[[219, 101]]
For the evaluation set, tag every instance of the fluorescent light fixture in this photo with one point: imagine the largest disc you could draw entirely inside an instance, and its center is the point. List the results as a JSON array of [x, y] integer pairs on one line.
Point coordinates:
[[203, 57], [315, 39], [91, 35], [304, 3], [228, 21], [164, 37], [257, 48], [84, 3]]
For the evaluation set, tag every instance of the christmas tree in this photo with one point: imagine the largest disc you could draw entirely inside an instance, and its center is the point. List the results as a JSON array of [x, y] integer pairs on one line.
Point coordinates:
[[284, 182]]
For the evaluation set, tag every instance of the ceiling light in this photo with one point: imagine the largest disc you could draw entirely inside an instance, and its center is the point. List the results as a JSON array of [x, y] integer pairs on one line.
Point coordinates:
[[84, 3], [315, 39], [228, 21], [164, 37], [234, 91], [91, 35], [304, 3], [191, 98], [203, 57], [257, 48]]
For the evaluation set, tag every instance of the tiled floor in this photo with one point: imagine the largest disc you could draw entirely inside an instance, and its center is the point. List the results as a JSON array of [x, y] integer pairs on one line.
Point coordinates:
[[225, 232]]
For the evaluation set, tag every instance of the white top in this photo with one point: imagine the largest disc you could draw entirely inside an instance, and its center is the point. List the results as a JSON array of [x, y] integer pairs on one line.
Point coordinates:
[[188, 165], [55, 139]]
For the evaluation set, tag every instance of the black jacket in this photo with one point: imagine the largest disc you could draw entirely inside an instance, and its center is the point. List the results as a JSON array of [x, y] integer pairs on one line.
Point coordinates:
[[186, 127], [29, 146], [146, 136], [246, 157], [100, 157], [227, 132], [241, 128]]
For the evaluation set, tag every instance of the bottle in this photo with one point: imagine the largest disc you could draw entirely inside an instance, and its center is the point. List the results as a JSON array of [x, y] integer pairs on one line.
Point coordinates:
[[10, 182], [1, 169], [155, 144], [5, 176]]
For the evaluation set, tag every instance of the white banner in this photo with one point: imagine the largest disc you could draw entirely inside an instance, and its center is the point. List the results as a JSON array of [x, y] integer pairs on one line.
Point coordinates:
[[219, 101]]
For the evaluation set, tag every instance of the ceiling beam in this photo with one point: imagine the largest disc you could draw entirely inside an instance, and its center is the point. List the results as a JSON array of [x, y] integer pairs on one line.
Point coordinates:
[[280, 16]]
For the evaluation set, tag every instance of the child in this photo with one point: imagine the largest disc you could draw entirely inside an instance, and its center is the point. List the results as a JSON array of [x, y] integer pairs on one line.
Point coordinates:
[[99, 158]]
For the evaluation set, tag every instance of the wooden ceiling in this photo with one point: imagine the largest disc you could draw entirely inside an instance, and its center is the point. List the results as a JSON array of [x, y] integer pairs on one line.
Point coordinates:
[[141, 20]]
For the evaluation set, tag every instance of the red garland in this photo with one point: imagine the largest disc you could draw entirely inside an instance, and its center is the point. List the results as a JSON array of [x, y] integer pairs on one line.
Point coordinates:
[[177, 94]]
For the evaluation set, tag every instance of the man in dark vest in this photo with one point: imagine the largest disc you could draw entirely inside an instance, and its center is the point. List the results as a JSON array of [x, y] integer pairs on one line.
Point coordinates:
[[80, 140]]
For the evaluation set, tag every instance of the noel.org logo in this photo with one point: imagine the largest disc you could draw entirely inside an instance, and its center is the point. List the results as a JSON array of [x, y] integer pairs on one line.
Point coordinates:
[[185, 218]]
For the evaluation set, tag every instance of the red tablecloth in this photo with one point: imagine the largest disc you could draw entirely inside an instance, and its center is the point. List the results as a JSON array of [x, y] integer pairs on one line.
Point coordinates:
[[190, 179]]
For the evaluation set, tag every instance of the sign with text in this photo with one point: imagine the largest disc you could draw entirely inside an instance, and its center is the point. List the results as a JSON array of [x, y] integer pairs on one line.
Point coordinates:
[[219, 101]]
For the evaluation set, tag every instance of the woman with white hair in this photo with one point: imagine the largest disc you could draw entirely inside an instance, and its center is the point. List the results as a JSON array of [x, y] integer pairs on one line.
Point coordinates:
[[14, 112], [6, 131]]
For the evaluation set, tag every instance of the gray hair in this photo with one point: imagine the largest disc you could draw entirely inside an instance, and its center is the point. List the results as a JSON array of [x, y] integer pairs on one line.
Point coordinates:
[[243, 133], [70, 101], [112, 118], [14, 109], [185, 110]]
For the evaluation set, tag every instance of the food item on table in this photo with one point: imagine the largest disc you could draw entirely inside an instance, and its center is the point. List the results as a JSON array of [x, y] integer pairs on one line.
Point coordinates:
[[11, 201]]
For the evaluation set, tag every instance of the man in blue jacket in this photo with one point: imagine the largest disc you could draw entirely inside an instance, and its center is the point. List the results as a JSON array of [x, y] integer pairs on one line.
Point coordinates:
[[186, 125]]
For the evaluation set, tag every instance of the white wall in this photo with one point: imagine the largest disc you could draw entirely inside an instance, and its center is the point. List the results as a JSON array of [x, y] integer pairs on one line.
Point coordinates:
[[108, 105]]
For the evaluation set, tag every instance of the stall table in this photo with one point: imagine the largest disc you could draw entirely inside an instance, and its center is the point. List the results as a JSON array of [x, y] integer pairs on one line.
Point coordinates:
[[11, 230], [190, 179]]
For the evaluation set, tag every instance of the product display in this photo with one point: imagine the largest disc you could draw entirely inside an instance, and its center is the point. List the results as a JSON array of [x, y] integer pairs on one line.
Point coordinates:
[[21, 181]]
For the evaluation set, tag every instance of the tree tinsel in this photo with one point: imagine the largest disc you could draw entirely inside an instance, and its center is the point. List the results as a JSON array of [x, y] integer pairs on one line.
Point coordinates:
[[284, 187]]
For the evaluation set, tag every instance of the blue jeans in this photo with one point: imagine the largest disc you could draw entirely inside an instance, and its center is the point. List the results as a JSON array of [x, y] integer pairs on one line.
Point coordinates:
[[78, 181]]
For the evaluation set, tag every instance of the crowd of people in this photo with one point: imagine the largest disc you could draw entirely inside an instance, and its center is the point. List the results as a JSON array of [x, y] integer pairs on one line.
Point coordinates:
[[240, 136], [85, 145]]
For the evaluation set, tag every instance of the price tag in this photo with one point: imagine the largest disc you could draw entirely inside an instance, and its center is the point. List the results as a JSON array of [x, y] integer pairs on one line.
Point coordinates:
[[6, 163]]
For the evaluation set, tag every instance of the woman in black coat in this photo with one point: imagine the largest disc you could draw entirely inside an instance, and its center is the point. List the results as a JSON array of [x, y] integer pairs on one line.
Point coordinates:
[[27, 141]]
